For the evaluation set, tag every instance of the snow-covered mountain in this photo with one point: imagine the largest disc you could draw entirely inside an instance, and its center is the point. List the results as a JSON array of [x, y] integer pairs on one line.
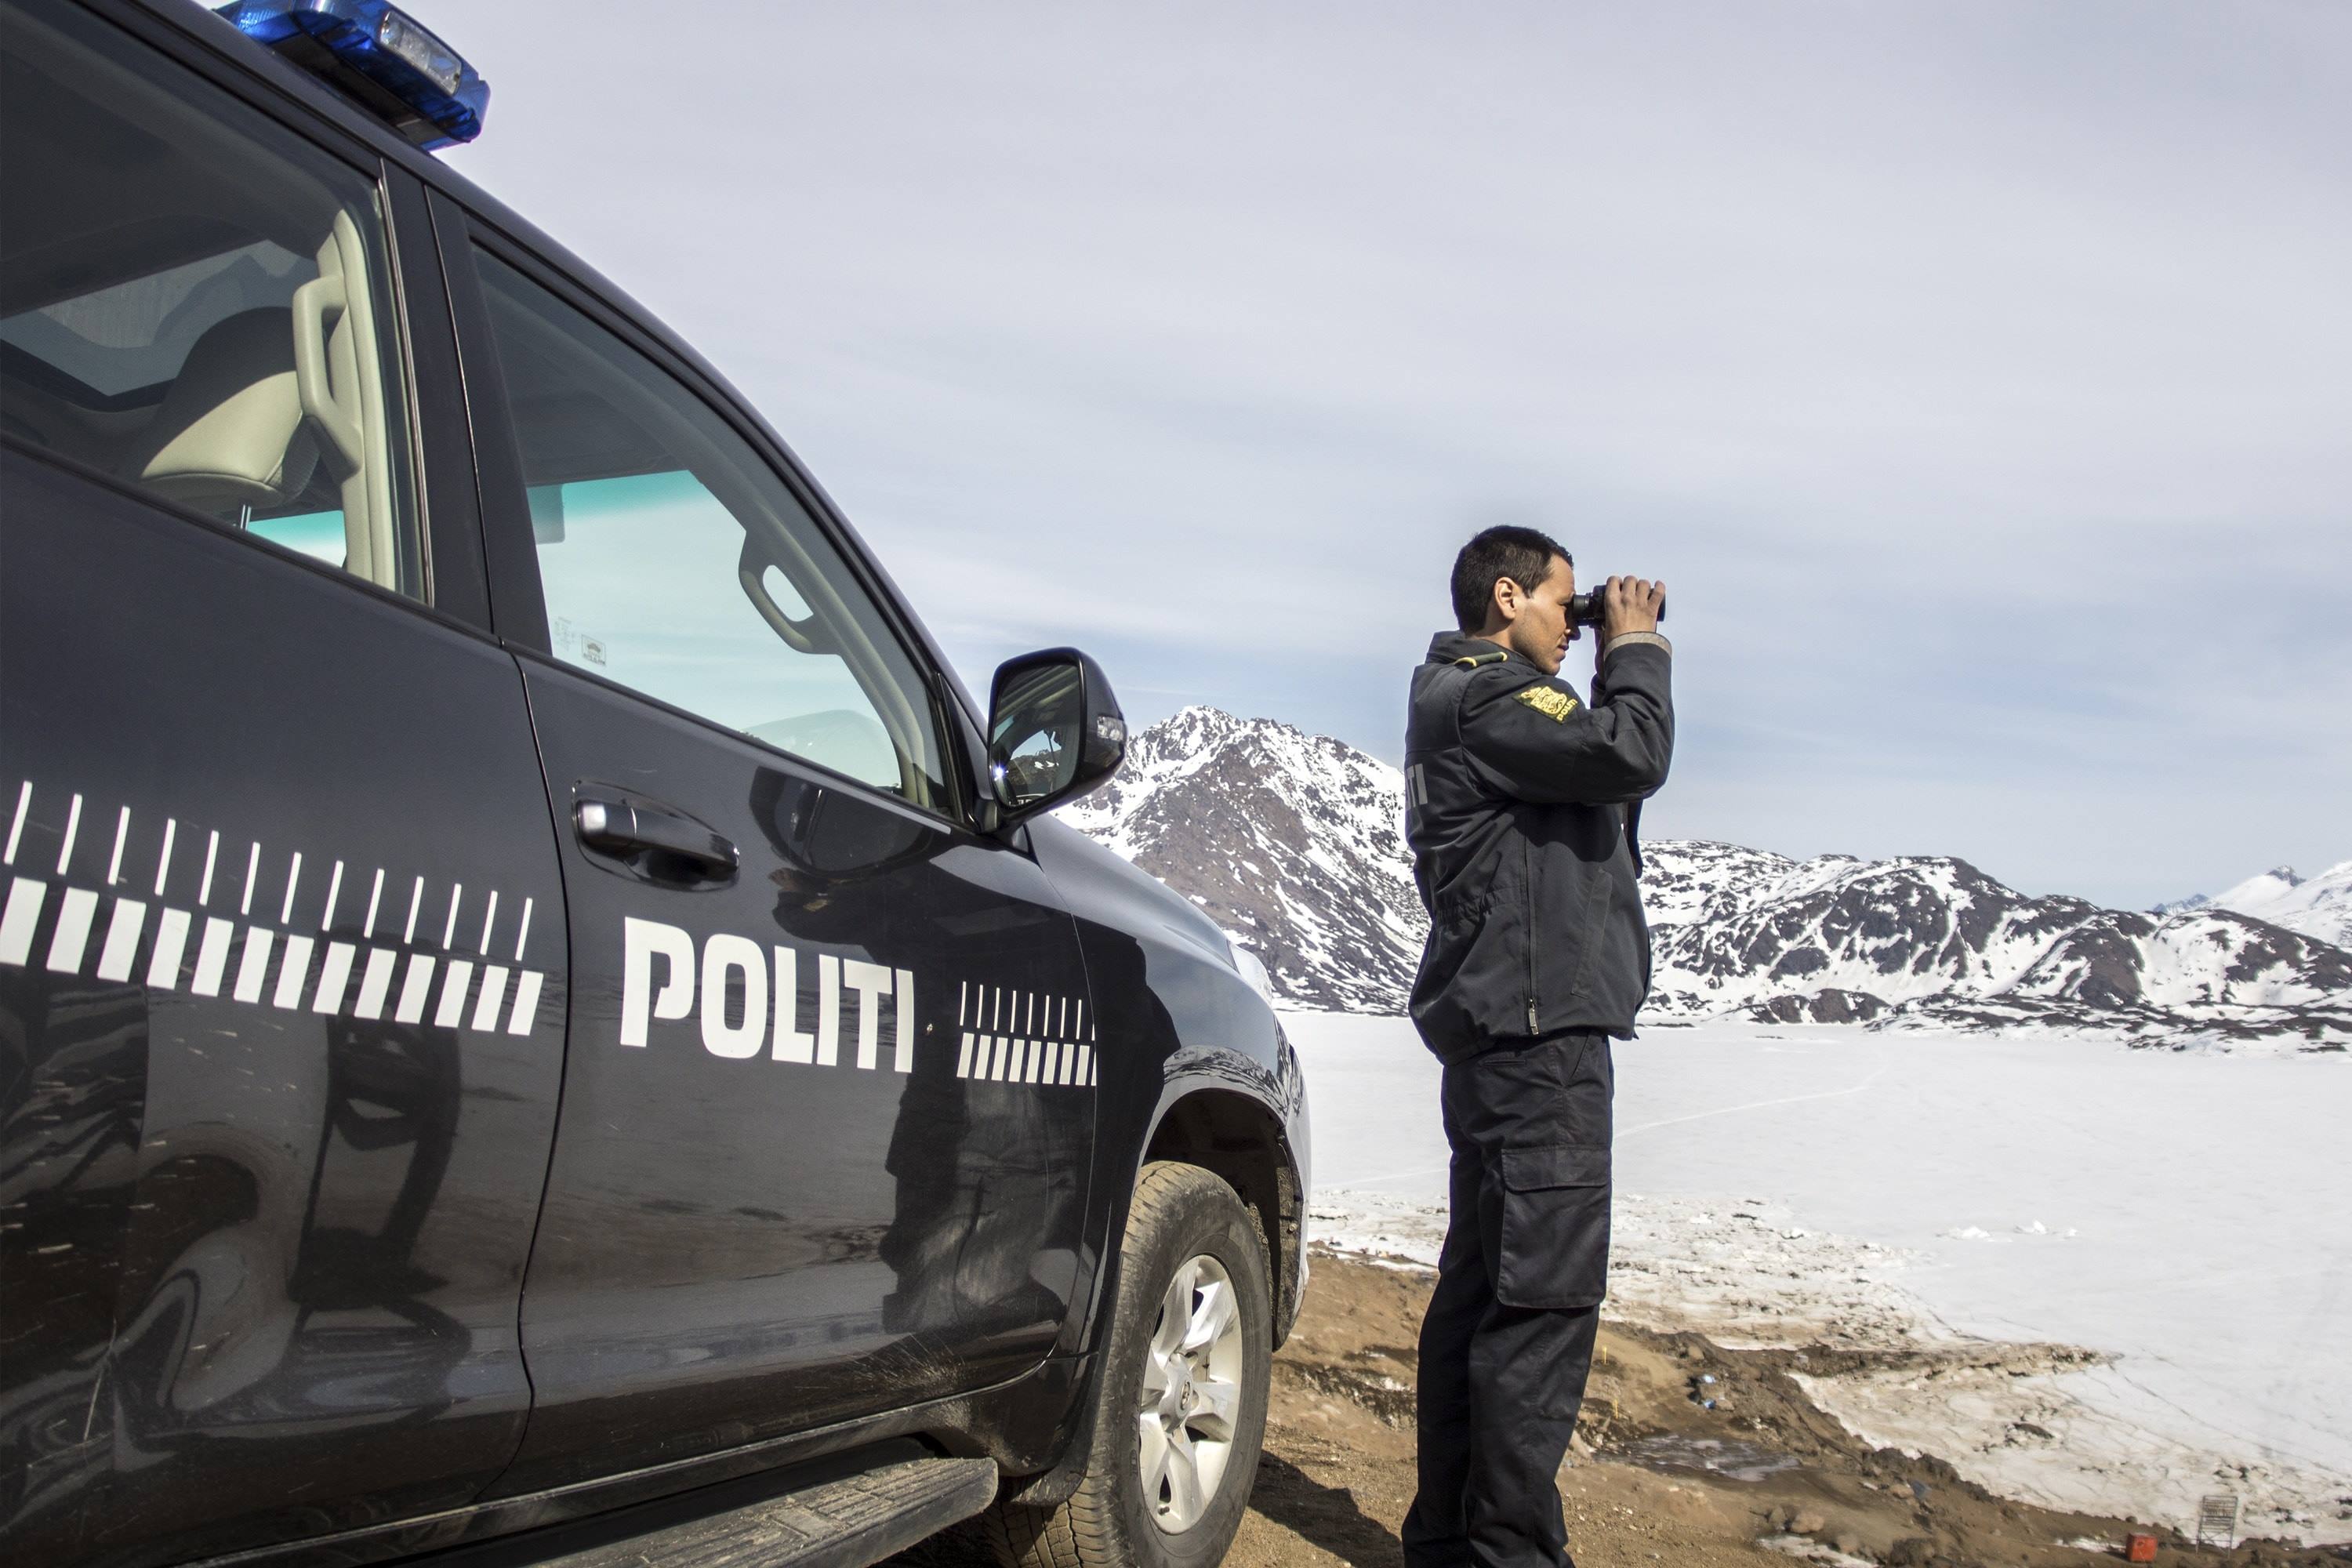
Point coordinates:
[[1295, 845], [1929, 939], [2317, 906]]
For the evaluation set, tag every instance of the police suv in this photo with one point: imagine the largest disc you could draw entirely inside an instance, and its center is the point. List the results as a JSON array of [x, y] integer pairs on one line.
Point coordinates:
[[537, 1021]]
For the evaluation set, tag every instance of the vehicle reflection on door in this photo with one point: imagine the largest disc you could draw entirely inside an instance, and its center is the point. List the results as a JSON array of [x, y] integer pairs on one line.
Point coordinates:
[[392, 1089], [216, 1341], [988, 1174], [732, 1164], [72, 1085]]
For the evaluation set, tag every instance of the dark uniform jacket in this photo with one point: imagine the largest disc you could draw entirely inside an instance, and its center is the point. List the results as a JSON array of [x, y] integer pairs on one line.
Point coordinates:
[[1517, 798]]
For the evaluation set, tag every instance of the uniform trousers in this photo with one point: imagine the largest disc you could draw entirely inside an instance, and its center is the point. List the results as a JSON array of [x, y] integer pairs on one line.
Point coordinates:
[[1508, 1341]]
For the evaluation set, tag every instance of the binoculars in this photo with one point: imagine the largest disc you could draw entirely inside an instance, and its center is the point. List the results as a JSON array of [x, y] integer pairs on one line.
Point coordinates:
[[1584, 609]]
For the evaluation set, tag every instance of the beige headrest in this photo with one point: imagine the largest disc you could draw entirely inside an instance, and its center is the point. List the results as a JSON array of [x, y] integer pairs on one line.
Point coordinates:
[[230, 431]]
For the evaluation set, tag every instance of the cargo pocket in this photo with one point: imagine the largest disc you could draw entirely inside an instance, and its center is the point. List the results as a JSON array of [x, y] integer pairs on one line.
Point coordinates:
[[1554, 1244]]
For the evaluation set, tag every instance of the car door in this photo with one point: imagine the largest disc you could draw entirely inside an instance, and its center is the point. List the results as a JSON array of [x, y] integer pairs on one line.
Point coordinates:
[[829, 1104], [282, 967]]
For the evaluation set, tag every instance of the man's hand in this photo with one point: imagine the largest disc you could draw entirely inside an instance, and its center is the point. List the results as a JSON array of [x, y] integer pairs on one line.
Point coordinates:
[[1630, 604]]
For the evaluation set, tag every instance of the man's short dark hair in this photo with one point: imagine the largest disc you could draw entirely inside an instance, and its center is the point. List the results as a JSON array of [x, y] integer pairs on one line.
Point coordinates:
[[1522, 554]]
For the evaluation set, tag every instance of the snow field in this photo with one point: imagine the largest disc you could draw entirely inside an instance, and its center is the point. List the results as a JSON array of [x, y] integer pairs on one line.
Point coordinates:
[[1990, 1206]]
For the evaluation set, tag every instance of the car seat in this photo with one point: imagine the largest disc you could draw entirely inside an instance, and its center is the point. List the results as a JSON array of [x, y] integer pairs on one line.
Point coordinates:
[[230, 434]]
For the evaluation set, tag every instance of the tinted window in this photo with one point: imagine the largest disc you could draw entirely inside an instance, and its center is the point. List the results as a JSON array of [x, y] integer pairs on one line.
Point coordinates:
[[194, 300], [676, 562]]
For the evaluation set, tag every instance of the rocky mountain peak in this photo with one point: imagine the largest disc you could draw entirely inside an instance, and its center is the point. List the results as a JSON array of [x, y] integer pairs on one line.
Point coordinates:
[[1294, 843]]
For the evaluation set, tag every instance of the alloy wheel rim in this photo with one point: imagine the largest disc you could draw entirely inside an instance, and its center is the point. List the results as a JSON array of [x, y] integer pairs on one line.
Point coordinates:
[[1189, 1408]]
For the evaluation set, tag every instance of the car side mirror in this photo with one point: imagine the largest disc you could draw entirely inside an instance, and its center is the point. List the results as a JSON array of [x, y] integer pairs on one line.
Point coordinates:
[[1055, 732]]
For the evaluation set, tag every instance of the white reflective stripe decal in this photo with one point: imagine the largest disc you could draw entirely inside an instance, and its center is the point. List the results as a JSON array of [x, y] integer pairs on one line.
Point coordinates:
[[26, 897], [171, 945], [335, 978], [293, 972], [211, 956], [416, 986], [17, 829], [103, 931], [458, 980], [73, 826], [253, 965], [375, 982], [416, 902], [963, 1056], [494, 995], [75, 912], [525, 1017]]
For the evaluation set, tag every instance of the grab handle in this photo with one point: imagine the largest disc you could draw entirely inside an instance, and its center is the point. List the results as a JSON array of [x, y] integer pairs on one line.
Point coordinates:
[[313, 302]]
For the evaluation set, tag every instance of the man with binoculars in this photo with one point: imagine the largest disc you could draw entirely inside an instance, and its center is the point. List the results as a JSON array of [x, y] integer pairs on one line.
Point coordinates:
[[1522, 801]]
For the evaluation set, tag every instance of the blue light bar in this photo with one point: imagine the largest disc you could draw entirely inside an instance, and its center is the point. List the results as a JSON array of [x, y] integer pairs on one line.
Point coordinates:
[[379, 57]]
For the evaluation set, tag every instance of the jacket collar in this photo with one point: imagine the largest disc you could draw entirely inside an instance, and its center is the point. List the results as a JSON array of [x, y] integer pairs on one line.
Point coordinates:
[[1449, 645]]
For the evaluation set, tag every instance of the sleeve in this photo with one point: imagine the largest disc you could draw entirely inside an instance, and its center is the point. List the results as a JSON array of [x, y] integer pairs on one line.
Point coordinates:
[[1538, 740]]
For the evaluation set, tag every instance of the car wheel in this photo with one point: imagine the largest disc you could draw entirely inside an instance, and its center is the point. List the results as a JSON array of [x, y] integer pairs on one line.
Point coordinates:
[[1180, 1394]]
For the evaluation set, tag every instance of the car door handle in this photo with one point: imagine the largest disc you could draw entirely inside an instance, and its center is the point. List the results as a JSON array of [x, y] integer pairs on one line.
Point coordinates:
[[626, 825]]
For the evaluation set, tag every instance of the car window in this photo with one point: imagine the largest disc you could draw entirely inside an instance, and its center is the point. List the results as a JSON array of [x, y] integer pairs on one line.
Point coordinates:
[[675, 561], [196, 301]]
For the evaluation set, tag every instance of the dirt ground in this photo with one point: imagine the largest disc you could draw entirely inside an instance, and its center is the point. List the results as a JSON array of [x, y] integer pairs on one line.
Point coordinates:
[[1657, 1477]]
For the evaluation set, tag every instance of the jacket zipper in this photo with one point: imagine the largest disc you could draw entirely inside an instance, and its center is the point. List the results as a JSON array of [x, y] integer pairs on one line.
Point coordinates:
[[1528, 891]]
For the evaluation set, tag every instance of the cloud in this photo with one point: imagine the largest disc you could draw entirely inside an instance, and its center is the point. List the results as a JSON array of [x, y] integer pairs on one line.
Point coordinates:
[[1978, 375]]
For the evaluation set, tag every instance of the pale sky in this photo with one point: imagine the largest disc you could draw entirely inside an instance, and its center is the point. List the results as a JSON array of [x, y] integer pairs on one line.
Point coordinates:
[[1978, 375]]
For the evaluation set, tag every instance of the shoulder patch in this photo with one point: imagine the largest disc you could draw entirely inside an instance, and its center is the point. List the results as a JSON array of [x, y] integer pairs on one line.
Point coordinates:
[[1473, 661], [1548, 700]]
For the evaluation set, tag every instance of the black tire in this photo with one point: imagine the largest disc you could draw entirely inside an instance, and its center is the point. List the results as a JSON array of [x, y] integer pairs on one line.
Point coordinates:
[[1180, 1213]]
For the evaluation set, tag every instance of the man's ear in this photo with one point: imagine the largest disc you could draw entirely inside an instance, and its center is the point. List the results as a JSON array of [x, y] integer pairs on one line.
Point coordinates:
[[1505, 604]]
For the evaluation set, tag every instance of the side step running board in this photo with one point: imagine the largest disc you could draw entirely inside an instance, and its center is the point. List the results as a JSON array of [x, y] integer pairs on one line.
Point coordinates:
[[850, 1522]]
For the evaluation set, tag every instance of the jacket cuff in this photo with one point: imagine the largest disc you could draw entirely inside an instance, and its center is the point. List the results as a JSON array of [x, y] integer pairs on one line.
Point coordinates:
[[1630, 639]]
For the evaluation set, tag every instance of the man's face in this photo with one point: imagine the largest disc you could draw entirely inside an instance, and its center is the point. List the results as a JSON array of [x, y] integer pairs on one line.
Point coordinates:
[[1537, 626]]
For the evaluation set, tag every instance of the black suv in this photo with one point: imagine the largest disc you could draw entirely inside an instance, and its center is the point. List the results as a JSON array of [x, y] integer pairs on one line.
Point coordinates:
[[537, 1021]]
